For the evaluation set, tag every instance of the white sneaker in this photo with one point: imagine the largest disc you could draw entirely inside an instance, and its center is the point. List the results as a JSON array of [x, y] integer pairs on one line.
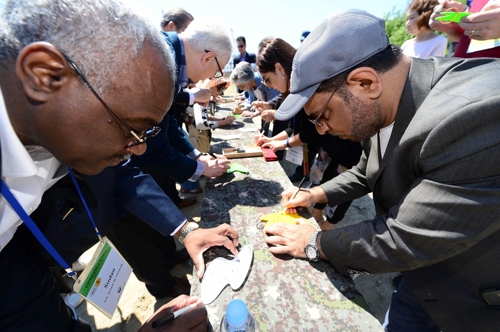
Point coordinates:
[[81, 263]]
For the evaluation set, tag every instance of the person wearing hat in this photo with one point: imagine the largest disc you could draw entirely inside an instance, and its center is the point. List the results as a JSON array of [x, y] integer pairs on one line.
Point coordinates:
[[304, 35], [429, 146]]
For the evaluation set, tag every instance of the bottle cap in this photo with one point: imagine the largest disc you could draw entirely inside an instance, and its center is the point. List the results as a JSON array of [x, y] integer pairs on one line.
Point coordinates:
[[236, 313]]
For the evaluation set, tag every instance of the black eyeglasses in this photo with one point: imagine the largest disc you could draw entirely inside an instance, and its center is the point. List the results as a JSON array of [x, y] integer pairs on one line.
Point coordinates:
[[317, 121], [139, 137], [241, 46], [220, 73]]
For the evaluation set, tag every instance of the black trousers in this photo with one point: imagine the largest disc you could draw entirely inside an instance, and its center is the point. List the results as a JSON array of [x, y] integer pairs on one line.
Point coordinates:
[[150, 254], [29, 295]]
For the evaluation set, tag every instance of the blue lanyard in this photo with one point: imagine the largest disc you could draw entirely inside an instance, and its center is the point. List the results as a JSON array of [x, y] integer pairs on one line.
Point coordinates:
[[36, 231], [84, 203]]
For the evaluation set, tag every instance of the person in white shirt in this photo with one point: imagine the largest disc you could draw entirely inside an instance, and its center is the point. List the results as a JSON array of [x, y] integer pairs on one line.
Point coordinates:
[[426, 42]]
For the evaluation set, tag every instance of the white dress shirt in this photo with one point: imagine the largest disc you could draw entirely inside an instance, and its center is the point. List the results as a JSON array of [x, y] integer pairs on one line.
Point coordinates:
[[27, 170]]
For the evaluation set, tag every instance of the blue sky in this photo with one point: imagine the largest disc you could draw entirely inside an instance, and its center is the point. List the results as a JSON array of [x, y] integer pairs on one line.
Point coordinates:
[[256, 19]]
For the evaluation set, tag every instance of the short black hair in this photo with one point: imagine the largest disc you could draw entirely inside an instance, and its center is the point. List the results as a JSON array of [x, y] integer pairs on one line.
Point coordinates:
[[241, 38], [177, 15]]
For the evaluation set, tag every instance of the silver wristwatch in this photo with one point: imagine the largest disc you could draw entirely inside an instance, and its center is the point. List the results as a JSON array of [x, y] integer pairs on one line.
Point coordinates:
[[311, 250], [189, 228]]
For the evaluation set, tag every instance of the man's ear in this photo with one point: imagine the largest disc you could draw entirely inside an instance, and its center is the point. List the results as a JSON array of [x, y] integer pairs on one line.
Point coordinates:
[[42, 70], [365, 80], [171, 26], [207, 57]]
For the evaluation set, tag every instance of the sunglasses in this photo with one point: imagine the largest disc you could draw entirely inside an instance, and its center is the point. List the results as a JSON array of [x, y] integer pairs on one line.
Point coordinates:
[[265, 80]]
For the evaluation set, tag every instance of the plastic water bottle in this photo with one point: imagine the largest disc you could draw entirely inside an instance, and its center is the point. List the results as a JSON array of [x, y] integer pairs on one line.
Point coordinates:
[[237, 318]]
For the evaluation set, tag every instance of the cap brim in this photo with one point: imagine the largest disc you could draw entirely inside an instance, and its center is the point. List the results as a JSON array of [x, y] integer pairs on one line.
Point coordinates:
[[294, 102]]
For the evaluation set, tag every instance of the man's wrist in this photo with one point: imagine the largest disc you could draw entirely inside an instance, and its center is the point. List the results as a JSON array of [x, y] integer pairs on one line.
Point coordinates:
[[318, 195], [186, 230], [318, 245]]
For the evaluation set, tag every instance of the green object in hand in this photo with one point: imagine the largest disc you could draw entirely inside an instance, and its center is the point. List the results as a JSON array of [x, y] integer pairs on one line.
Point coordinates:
[[451, 16], [237, 167]]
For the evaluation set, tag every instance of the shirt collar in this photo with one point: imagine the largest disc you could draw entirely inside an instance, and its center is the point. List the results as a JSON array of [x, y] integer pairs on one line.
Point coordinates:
[[16, 161]]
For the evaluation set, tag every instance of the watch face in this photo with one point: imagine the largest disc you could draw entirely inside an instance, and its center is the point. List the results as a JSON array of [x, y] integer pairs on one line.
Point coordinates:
[[311, 253]]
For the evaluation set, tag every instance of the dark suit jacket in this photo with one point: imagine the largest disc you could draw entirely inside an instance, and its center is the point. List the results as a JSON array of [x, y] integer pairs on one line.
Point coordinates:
[[249, 57], [436, 192], [167, 151]]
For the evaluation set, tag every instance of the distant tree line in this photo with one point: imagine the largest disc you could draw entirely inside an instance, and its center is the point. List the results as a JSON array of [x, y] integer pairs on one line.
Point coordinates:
[[395, 26]]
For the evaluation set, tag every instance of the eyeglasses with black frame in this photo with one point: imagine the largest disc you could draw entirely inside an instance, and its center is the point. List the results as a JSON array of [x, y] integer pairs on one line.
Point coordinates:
[[220, 73], [139, 137], [317, 121]]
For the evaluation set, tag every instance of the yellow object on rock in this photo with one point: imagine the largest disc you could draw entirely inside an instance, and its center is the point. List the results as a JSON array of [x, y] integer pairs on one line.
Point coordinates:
[[279, 217]]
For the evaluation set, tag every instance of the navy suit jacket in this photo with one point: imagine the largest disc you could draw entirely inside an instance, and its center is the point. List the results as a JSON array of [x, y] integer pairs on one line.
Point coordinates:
[[249, 57], [168, 150]]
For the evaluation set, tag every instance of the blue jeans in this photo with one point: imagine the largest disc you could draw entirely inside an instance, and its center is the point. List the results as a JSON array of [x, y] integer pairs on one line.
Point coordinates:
[[188, 185], [406, 314]]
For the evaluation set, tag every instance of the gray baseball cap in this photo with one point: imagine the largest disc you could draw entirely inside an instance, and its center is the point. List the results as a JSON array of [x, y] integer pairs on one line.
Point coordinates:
[[340, 42]]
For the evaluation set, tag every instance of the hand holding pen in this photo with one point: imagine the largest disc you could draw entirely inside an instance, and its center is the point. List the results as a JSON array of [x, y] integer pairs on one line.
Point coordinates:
[[181, 314], [296, 192]]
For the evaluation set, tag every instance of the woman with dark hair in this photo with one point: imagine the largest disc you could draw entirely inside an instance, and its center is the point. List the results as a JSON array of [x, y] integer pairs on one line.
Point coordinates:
[[275, 65], [426, 42]]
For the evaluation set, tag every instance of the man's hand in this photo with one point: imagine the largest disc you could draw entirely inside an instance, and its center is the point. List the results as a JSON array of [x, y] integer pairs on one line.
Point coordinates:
[[485, 24], [275, 145], [261, 105], [199, 240], [227, 121], [214, 167], [305, 197], [292, 239], [202, 97], [194, 319], [236, 110], [268, 115], [452, 29], [248, 114]]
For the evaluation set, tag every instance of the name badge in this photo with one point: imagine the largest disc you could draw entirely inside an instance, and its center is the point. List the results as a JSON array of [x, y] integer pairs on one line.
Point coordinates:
[[480, 45], [103, 280], [295, 155]]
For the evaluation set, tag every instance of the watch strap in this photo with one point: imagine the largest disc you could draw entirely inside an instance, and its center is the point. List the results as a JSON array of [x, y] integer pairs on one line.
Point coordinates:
[[188, 229]]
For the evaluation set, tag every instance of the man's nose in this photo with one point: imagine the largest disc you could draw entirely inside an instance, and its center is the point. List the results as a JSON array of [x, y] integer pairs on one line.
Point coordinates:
[[138, 149], [322, 130]]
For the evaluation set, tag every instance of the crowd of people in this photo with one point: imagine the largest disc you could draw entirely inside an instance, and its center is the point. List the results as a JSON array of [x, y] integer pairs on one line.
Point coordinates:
[[97, 131]]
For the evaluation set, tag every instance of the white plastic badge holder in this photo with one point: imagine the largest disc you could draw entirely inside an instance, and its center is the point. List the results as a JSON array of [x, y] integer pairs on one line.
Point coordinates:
[[295, 155], [223, 271], [103, 280]]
